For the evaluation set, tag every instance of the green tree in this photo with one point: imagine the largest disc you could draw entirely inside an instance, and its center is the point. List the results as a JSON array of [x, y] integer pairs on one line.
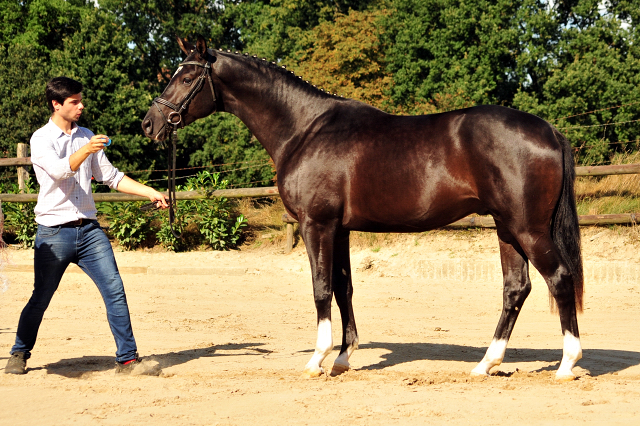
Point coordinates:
[[22, 103], [594, 67], [458, 51], [346, 56]]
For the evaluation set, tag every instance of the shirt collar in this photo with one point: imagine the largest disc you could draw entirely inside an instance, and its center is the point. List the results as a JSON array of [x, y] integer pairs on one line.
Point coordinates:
[[57, 132]]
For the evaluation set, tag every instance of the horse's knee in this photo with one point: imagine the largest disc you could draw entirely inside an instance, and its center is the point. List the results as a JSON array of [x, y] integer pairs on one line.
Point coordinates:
[[516, 291]]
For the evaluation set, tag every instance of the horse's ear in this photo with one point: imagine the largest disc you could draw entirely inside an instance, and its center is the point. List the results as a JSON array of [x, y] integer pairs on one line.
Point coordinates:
[[201, 46], [185, 46]]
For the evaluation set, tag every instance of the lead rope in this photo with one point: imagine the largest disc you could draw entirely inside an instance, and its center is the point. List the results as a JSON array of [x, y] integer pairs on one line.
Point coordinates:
[[172, 179]]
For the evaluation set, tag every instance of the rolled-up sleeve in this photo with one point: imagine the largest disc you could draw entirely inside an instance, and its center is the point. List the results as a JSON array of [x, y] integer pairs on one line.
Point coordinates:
[[104, 171], [44, 155]]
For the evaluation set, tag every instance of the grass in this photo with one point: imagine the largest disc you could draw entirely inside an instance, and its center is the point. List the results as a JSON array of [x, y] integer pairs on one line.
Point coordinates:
[[610, 194]]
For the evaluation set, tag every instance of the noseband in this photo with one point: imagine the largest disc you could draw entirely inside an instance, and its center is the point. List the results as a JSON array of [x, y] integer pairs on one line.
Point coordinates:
[[175, 119]]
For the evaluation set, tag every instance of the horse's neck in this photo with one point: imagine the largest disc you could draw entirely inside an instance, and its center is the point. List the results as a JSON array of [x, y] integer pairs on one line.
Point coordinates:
[[277, 109]]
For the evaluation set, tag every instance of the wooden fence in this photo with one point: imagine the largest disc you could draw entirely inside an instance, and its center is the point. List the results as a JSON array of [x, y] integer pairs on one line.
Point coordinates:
[[472, 221]]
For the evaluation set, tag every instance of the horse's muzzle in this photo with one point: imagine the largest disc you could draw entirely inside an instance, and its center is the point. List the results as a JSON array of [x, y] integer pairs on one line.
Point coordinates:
[[148, 129]]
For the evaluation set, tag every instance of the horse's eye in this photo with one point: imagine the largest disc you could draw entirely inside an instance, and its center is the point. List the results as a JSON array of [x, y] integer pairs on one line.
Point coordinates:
[[187, 81]]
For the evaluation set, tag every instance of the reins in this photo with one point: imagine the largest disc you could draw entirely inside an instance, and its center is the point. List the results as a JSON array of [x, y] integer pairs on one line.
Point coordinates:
[[174, 119]]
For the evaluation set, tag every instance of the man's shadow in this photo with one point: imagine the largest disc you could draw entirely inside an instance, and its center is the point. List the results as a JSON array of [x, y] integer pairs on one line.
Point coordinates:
[[596, 361], [86, 365]]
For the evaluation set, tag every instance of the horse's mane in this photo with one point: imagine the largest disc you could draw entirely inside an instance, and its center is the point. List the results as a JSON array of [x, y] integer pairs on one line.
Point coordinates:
[[287, 74]]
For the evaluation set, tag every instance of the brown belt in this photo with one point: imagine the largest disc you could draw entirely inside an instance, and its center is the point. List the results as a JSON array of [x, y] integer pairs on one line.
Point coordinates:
[[76, 223]]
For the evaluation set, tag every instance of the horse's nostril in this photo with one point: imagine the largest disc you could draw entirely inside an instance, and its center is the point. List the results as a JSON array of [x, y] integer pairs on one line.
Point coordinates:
[[147, 126]]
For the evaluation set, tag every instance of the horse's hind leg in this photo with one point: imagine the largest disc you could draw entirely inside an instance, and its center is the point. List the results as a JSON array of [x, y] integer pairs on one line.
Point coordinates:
[[545, 257], [343, 292], [517, 287]]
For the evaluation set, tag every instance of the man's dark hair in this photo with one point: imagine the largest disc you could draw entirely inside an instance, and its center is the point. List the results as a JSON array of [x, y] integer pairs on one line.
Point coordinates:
[[60, 88]]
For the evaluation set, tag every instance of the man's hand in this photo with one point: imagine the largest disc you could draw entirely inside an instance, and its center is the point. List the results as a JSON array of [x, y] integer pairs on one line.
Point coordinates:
[[158, 199], [97, 143]]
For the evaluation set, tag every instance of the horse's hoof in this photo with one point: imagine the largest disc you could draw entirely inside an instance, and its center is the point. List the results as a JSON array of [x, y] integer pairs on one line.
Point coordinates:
[[480, 375], [310, 373], [565, 377], [338, 369]]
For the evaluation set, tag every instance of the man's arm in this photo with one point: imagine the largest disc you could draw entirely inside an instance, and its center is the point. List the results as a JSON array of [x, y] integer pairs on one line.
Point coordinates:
[[130, 186]]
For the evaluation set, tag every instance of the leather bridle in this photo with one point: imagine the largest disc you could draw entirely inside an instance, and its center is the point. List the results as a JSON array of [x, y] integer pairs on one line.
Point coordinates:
[[184, 104], [175, 119]]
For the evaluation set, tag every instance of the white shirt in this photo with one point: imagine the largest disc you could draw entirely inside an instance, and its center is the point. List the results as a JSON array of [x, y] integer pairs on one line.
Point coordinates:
[[65, 195]]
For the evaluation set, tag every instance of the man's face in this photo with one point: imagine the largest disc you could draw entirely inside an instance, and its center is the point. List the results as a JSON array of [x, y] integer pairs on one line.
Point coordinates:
[[72, 108]]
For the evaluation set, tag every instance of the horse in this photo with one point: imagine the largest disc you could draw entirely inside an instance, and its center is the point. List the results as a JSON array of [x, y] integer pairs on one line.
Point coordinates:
[[343, 166]]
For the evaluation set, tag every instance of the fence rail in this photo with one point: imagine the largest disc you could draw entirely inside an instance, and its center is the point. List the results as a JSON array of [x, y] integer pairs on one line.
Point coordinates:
[[115, 197], [618, 169], [467, 222]]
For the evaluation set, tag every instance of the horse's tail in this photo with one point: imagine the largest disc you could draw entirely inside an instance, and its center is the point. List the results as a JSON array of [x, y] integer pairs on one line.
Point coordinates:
[[565, 230]]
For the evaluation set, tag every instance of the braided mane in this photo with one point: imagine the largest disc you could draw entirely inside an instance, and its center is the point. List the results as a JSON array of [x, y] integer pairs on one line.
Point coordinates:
[[280, 68]]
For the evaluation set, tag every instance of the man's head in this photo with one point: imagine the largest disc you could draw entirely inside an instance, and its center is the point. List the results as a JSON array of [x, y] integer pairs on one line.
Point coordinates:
[[64, 96]]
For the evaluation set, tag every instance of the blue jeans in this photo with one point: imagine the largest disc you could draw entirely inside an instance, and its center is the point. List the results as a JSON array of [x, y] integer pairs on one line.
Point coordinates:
[[88, 247]]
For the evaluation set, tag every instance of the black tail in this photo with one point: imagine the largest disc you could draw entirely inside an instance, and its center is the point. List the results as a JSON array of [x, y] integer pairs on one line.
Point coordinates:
[[565, 229]]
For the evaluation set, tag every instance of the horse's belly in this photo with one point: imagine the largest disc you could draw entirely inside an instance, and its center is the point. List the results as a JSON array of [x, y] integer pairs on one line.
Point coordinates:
[[399, 217]]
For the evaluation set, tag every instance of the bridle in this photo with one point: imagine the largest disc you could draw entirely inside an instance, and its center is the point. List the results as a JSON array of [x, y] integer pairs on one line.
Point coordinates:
[[175, 119]]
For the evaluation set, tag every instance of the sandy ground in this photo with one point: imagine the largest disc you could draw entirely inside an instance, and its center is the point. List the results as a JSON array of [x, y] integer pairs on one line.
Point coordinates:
[[232, 332]]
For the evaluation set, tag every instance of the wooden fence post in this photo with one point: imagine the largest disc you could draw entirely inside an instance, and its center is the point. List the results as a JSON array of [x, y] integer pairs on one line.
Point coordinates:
[[289, 245], [23, 175], [289, 221]]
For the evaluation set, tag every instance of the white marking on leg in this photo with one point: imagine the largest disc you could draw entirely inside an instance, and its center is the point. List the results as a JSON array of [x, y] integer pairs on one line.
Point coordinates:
[[493, 357], [341, 364], [324, 345], [571, 353]]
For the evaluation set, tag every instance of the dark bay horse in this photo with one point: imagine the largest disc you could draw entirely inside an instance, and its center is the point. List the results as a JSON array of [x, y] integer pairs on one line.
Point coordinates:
[[343, 165]]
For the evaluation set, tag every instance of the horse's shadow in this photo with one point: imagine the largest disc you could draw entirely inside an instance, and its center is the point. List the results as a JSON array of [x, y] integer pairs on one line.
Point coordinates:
[[86, 365], [596, 361]]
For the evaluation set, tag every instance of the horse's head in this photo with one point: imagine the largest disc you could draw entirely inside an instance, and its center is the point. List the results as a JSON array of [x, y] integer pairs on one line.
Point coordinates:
[[190, 94]]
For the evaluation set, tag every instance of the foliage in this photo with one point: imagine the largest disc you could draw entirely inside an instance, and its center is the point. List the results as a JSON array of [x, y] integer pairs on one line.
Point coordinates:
[[212, 221], [452, 48], [344, 56], [595, 67], [22, 101], [20, 218], [128, 224]]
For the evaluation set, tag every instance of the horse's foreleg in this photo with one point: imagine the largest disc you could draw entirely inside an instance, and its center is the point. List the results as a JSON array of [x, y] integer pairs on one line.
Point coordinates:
[[517, 287], [343, 292], [319, 241]]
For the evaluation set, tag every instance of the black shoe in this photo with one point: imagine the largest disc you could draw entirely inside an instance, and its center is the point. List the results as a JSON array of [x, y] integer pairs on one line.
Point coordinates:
[[17, 364], [138, 367]]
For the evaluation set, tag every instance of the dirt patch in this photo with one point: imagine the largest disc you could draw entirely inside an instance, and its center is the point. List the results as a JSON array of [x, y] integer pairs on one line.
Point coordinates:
[[232, 347]]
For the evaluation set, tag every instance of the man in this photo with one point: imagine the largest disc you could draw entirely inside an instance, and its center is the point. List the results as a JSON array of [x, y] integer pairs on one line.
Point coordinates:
[[65, 157]]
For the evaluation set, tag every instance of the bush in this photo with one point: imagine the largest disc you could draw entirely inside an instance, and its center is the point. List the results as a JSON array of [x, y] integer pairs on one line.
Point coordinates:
[[128, 224], [19, 218], [213, 221]]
